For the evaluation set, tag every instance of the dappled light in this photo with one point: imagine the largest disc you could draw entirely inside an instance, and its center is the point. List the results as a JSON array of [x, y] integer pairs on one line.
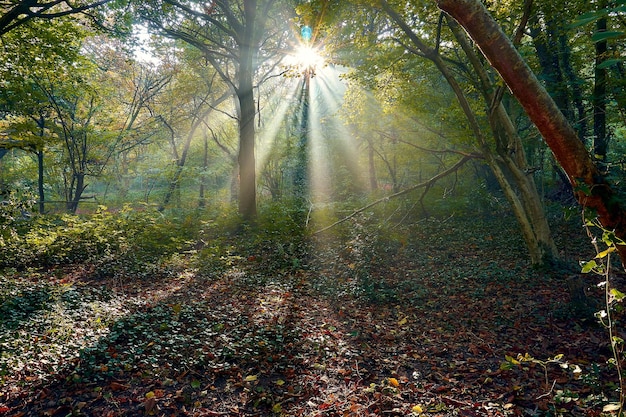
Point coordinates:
[[312, 208]]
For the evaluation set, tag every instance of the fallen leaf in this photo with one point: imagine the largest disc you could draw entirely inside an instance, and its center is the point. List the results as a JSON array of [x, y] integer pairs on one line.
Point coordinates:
[[417, 409], [149, 405], [394, 382], [611, 407], [250, 378], [116, 386]]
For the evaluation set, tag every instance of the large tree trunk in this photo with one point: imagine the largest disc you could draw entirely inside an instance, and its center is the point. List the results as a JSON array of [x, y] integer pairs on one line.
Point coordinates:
[[245, 96], [590, 186], [524, 198]]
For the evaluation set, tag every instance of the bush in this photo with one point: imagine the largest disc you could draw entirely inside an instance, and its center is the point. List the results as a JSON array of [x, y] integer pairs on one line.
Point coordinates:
[[129, 241]]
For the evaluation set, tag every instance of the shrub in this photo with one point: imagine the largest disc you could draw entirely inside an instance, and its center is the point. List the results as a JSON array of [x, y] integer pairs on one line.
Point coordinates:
[[129, 241]]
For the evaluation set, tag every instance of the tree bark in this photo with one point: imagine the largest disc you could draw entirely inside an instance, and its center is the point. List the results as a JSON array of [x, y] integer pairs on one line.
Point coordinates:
[[591, 188], [245, 96], [600, 139]]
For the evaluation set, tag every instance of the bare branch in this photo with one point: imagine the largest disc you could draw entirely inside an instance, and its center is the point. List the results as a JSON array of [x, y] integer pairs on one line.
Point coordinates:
[[429, 183]]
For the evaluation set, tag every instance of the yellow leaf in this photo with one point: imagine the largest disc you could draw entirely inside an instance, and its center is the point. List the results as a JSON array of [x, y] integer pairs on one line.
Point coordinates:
[[277, 408], [402, 322], [280, 382], [150, 394], [394, 382], [604, 253], [417, 409], [250, 378]]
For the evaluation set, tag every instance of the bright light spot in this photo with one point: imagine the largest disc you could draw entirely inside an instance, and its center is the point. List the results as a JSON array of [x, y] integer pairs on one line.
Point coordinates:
[[143, 51], [305, 58]]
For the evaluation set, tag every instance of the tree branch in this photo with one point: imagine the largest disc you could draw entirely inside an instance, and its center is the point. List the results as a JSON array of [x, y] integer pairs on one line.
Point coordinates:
[[429, 183]]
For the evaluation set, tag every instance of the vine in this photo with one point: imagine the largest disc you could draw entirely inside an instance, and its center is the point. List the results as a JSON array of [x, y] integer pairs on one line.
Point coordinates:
[[601, 265]]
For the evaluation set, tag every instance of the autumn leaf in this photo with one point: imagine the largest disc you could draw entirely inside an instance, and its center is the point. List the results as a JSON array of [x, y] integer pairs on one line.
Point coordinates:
[[417, 409], [402, 322], [116, 386], [150, 403], [250, 378], [394, 382]]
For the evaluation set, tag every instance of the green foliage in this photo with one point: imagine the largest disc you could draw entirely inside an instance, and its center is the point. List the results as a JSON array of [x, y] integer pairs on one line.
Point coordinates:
[[43, 325], [132, 241]]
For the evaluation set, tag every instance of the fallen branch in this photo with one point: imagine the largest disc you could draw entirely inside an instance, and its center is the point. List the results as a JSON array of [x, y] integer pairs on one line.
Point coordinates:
[[428, 183]]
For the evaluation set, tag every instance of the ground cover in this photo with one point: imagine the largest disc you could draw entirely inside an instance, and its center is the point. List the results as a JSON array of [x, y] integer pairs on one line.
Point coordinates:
[[444, 317]]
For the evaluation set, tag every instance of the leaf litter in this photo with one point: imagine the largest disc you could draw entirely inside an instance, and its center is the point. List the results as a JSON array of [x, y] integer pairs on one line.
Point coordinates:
[[445, 323]]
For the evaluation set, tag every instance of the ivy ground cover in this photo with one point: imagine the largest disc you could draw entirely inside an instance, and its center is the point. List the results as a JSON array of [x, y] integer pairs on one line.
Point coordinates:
[[442, 318]]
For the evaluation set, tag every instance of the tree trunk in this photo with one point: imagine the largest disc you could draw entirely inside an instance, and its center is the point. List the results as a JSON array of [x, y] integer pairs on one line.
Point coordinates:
[[79, 186], [527, 206], [590, 187], [245, 96], [180, 161], [40, 179], [203, 179], [600, 139], [371, 163]]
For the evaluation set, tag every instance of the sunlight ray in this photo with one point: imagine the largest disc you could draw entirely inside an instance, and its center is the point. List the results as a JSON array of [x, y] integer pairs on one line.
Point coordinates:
[[327, 98], [281, 104]]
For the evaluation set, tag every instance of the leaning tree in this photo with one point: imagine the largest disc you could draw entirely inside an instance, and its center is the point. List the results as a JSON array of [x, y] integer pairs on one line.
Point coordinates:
[[591, 187]]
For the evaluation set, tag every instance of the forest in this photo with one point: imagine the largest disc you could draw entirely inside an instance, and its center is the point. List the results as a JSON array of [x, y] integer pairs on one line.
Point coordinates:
[[312, 208]]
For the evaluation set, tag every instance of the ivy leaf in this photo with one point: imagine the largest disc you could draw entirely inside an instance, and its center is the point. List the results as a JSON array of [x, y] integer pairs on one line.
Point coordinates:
[[609, 63], [605, 252], [511, 360], [588, 266], [586, 19], [617, 294]]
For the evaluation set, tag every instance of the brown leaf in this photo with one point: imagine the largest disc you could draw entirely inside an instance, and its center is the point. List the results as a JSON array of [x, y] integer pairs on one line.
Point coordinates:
[[149, 404], [116, 386]]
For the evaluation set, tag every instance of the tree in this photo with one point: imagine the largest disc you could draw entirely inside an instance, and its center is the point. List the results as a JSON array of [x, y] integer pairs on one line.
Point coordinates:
[[236, 38], [183, 119], [483, 116], [29, 53], [592, 189], [15, 13]]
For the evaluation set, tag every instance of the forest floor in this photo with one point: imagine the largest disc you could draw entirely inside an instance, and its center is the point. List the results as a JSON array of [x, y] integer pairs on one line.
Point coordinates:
[[430, 323]]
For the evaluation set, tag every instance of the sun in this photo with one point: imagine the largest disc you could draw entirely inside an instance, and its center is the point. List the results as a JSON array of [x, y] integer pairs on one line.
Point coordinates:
[[306, 58]]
